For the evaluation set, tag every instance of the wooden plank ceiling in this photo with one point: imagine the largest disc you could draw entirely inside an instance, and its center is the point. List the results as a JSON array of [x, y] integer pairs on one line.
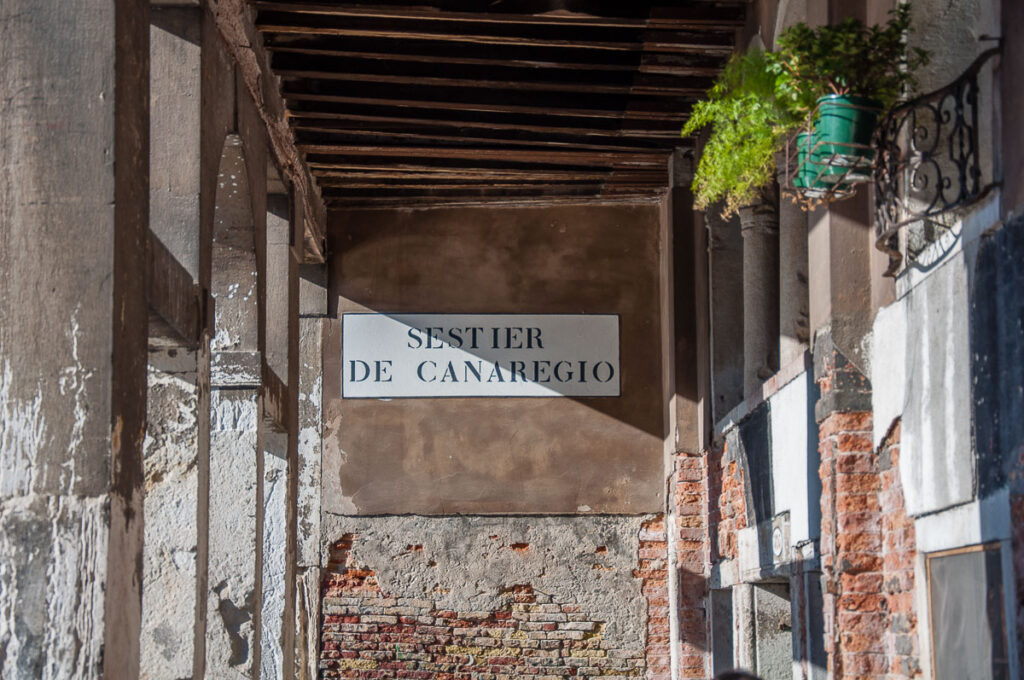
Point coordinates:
[[455, 101]]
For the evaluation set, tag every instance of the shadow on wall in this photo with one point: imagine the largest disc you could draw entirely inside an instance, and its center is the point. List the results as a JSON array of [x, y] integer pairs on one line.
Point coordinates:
[[594, 260], [996, 337]]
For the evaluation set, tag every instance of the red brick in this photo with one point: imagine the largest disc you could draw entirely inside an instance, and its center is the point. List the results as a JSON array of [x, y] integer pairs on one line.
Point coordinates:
[[861, 664], [859, 542], [850, 561], [849, 442], [860, 522], [857, 483], [857, 502], [855, 463], [861, 583], [867, 623], [857, 421], [863, 602]]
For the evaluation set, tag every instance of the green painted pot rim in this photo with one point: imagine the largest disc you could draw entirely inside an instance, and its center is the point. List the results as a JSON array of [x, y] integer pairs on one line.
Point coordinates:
[[851, 99]]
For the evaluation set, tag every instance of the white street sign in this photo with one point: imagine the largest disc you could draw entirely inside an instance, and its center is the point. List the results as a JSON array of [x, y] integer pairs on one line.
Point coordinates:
[[386, 356]]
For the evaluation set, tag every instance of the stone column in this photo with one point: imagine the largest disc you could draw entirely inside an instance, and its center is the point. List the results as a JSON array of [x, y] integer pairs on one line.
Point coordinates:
[[169, 569], [725, 265], [794, 324], [312, 309], [72, 335], [177, 435], [685, 526], [234, 418], [760, 227], [277, 534], [235, 414], [274, 567]]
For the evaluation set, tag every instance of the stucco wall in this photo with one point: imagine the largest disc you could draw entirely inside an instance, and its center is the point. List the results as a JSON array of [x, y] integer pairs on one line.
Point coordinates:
[[539, 455]]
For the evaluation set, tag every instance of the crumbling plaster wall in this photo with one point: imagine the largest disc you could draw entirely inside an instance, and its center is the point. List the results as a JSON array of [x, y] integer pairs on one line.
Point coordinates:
[[171, 464], [466, 563], [498, 594]]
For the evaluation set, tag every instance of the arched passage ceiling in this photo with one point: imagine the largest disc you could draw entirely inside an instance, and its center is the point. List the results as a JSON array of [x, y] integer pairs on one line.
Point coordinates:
[[453, 101]]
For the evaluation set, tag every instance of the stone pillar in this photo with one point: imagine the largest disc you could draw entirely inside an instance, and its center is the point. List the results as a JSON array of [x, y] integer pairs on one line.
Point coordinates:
[[725, 265], [72, 335], [794, 323], [177, 436], [276, 532], [686, 518], [274, 474], [235, 414], [760, 228], [312, 307], [839, 269], [171, 464], [691, 325], [234, 417]]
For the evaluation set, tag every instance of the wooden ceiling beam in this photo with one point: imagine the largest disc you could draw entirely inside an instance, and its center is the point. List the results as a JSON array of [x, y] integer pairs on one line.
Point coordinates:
[[538, 110], [466, 188], [434, 174], [408, 55], [320, 135], [482, 202], [443, 103], [329, 120], [333, 194], [728, 16], [640, 85], [660, 41], [618, 158]]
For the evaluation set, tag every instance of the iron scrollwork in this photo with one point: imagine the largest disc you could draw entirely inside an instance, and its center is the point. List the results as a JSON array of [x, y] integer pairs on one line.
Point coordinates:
[[928, 159]]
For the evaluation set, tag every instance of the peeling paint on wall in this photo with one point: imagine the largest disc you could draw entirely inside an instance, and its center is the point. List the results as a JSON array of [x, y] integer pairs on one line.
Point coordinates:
[[22, 434], [51, 597]]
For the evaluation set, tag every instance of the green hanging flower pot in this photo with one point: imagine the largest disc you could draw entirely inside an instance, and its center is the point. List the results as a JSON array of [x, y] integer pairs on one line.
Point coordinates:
[[811, 176], [843, 132]]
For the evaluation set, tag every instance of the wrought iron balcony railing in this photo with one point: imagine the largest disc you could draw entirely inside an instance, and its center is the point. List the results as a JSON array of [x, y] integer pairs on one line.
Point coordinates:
[[928, 160]]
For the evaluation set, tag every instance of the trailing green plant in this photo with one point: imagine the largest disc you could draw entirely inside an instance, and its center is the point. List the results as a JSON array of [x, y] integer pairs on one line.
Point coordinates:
[[748, 125], [761, 98], [847, 58]]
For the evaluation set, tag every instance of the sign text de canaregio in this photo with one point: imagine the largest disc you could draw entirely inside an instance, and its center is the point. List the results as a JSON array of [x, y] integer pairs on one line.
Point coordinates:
[[479, 355]]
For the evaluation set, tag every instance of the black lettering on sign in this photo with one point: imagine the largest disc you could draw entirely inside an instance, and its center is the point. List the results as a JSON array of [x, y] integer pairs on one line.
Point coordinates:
[[449, 374], [518, 368], [470, 368], [360, 368], [419, 371], [495, 375], [432, 335], [563, 376], [609, 369], [540, 371], [513, 339], [532, 336]]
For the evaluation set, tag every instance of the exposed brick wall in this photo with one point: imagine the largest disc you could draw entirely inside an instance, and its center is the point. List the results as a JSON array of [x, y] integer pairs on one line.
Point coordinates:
[[690, 496], [899, 549], [653, 572], [727, 512], [368, 633], [868, 550]]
